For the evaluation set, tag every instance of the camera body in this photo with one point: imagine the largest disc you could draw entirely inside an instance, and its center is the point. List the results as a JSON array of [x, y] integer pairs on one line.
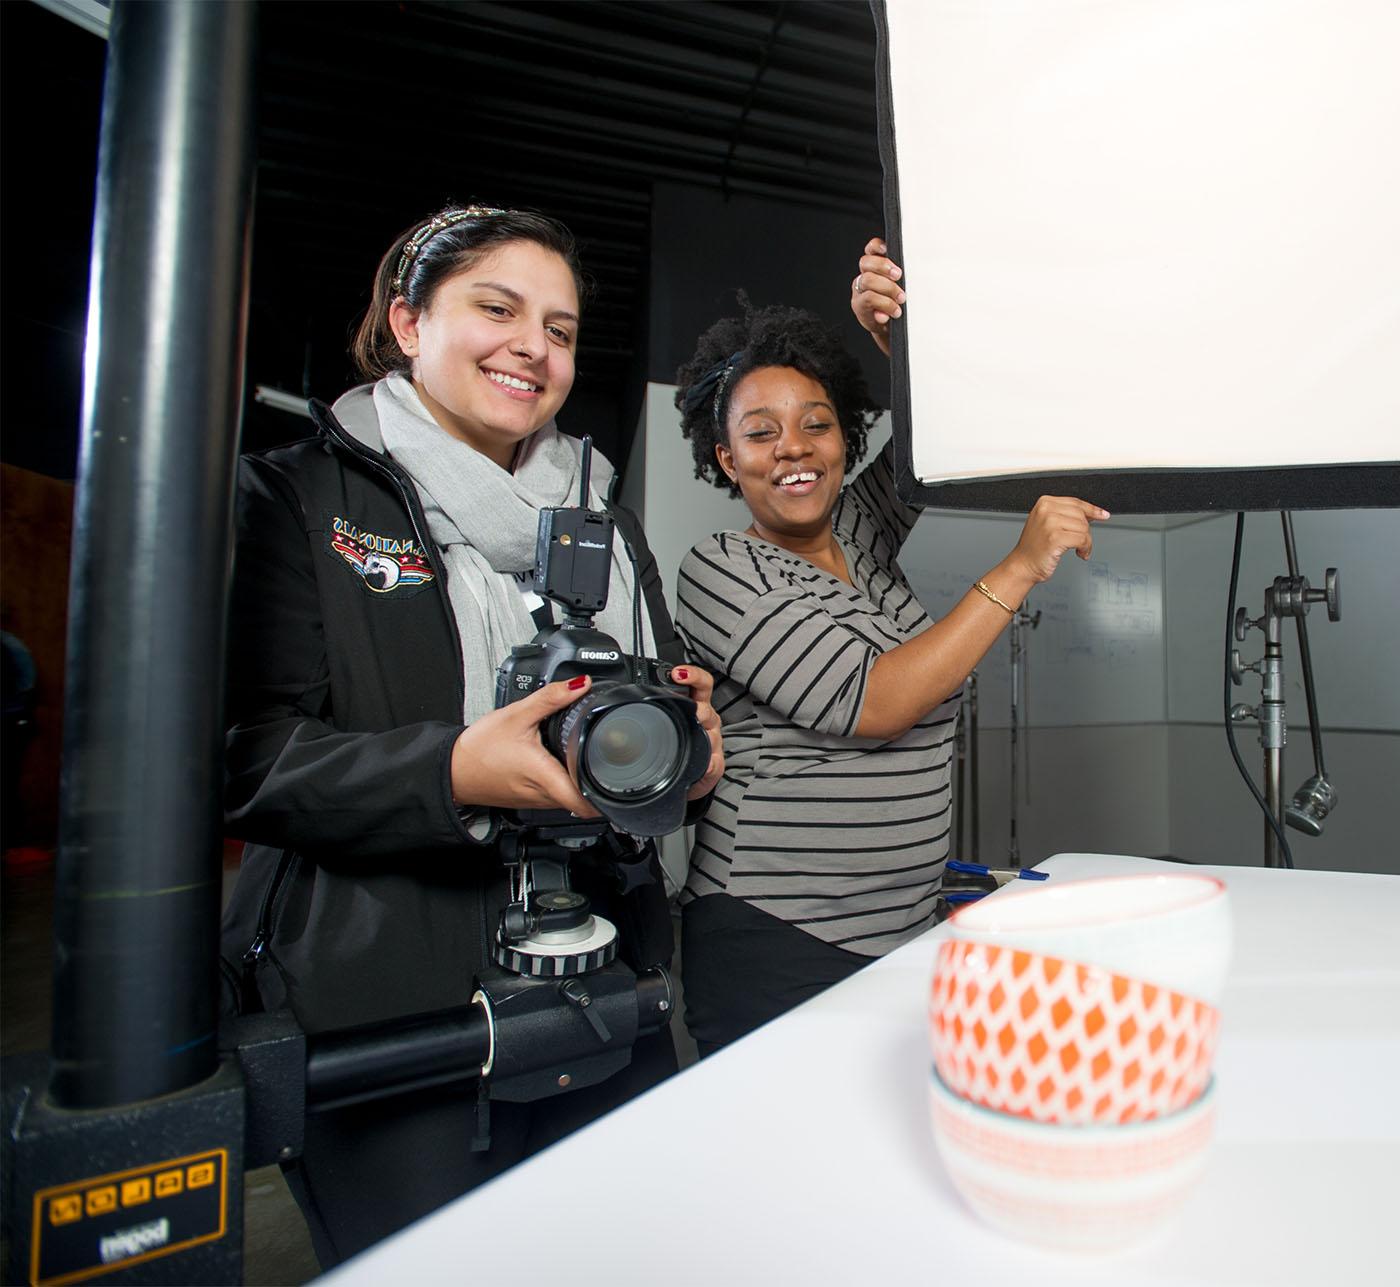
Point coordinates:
[[562, 652]]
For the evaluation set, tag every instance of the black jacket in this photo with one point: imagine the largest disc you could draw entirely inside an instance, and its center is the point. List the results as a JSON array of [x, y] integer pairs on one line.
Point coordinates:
[[361, 895]]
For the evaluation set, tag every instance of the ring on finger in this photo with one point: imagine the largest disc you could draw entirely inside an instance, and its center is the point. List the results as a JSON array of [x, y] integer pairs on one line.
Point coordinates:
[[859, 286]]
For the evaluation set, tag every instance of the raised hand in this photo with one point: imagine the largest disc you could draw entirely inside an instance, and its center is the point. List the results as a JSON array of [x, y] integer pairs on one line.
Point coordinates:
[[1055, 525], [876, 296]]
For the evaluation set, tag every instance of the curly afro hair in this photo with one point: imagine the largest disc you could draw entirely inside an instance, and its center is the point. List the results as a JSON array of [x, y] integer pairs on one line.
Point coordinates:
[[763, 337]]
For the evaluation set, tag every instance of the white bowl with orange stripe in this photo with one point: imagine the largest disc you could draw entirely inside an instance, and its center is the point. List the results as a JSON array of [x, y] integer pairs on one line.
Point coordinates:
[[1062, 1042], [1075, 1188]]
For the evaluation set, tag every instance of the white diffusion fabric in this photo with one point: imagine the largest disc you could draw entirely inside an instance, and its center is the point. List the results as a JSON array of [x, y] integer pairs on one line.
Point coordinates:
[[1146, 234]]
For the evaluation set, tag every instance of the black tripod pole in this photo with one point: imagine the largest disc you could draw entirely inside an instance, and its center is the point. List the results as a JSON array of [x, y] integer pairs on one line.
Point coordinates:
[[138, 872]]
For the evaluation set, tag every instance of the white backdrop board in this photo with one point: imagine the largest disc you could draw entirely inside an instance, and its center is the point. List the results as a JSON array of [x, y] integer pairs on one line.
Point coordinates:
[[1153, 238]]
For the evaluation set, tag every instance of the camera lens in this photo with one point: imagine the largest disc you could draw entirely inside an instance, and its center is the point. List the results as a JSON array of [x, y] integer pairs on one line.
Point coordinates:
[[633, 749]]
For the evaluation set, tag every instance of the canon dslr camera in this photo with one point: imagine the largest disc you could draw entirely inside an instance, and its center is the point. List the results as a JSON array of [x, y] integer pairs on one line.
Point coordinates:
[[632, 743]]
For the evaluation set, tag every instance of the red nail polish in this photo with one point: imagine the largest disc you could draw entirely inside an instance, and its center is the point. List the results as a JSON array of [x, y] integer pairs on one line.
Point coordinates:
[[681, 673], [577, 682]]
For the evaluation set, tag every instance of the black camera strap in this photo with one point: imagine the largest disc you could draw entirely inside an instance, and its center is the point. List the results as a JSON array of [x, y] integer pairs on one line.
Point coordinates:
[[541, 610], [481, 1117], [631, 857]]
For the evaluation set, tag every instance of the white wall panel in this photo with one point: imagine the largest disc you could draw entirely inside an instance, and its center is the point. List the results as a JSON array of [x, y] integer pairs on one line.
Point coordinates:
[[1214, 819], [1356, 661]]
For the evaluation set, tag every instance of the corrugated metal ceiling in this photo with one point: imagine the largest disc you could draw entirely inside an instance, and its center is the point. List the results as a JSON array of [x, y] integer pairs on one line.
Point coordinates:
[[372, 112]]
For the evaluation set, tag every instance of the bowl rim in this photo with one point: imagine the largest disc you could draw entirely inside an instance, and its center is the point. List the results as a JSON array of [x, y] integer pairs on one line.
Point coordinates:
[[991, 915]]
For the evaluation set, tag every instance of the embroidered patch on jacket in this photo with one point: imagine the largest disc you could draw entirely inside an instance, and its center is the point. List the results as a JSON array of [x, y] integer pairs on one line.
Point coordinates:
[[386, 564]]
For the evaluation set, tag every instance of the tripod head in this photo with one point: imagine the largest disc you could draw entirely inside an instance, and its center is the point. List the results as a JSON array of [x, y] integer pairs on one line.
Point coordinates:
[[548, 929]]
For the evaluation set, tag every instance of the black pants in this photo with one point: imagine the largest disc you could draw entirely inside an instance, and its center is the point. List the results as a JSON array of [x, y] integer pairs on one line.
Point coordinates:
[[742, 967], [368, 1170]]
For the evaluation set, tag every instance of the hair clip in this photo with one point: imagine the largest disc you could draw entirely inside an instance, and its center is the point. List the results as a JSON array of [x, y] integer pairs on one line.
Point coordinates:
[[716, 378]]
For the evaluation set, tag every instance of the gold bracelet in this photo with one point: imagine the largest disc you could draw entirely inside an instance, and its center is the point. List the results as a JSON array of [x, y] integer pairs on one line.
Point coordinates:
[[984, 588]]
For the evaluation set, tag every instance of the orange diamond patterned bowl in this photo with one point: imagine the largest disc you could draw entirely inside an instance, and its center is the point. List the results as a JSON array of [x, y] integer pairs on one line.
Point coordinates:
[[1062, 1042]]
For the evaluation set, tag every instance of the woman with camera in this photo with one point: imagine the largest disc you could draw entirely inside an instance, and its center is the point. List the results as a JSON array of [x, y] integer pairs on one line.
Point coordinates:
[[382, 575], [826, 843]]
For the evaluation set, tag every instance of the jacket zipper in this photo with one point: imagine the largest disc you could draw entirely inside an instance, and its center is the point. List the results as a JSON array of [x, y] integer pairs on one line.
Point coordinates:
[[252, 958]]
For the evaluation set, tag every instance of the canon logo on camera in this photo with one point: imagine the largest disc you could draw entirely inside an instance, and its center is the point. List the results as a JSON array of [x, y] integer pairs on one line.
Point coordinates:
[[599, 654]]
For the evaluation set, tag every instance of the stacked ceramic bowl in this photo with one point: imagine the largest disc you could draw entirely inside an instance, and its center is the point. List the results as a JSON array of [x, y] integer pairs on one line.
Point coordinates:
[[1073, 1029]]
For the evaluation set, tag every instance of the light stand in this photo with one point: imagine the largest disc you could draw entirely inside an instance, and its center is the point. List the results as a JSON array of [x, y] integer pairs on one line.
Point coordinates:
[[969, 809], [1021, 620], [1288, 596]]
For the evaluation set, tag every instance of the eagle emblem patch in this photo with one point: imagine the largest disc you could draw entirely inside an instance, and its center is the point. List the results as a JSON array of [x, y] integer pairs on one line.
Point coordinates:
[[384, 563]]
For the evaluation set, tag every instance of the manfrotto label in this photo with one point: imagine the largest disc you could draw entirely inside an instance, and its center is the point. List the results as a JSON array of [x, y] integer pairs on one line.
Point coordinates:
[[134, 1241]]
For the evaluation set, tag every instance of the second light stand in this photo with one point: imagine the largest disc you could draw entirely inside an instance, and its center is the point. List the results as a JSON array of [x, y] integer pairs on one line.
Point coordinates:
[[1021, 621]]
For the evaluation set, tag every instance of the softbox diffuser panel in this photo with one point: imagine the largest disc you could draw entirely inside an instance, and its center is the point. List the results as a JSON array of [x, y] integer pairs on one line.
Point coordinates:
[[1152, 250]]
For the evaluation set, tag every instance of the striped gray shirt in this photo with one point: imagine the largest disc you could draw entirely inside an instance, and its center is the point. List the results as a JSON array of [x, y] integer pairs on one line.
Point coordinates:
[[842, 836]]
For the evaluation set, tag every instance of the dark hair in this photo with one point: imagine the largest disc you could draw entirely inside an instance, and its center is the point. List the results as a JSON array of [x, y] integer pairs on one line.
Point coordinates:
[[764, 337], [458, 245]]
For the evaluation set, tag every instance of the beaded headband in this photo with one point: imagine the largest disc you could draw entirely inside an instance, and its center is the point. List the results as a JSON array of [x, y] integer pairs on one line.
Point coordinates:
[[430, 230]]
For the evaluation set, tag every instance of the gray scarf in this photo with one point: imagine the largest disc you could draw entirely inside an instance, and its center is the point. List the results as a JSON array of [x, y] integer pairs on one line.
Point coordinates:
[[485, 520]]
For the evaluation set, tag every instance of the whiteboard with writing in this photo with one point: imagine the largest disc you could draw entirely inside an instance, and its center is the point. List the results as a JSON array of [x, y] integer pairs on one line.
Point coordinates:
[[1097, 655]]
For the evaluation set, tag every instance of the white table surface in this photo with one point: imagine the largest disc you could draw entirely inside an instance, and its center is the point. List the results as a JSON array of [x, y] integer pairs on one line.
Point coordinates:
[[802, 1154]]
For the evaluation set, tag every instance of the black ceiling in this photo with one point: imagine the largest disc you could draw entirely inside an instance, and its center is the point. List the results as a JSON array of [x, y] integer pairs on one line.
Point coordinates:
[[372, 113]]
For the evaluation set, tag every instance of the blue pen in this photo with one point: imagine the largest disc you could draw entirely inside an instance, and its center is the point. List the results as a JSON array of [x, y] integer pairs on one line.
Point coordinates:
[[1000, 875]]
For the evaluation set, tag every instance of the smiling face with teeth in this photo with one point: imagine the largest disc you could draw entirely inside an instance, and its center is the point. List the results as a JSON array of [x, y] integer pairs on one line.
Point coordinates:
[[493, 352], [787, 453]]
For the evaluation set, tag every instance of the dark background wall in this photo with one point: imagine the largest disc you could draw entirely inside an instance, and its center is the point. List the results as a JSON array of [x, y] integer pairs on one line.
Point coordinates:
[[50, 99], [705, 246]]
